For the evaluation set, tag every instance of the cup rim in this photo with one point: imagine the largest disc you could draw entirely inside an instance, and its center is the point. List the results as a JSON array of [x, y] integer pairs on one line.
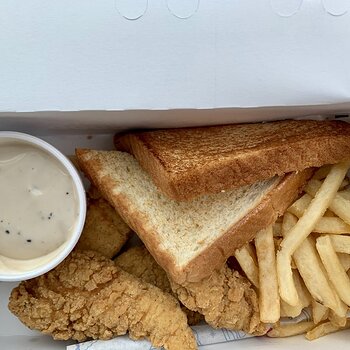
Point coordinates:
[[72, 241]]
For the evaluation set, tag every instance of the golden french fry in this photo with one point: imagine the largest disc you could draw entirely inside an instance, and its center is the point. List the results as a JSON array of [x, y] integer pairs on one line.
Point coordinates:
[[344, 260], [334, 268], [289, 221], [319, 312], [339, 205], [303, 293], [324, 329], [299, 206], [304, 298], [269, 301], [326, 224], [311, 270], [290, 311], [283, 313], [337, 320], [341, 244], [251, 249], [287, 289], [315, 278], [245, 259], [304, 227], [291, 329], [332, 225]]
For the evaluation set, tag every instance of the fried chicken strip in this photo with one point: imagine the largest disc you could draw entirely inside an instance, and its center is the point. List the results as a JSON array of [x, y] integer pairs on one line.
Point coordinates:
[[104, 230], [88, 296], [226, 299], [140, 263]]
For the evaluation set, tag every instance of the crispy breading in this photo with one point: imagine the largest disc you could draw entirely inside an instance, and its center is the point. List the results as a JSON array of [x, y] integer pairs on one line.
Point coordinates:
[[104, 230], [88, 296], [226, 299], [140, 263]]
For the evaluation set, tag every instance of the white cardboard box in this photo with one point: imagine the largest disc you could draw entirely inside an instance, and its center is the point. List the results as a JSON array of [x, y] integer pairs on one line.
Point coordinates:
[[69, 69], [254, 59]]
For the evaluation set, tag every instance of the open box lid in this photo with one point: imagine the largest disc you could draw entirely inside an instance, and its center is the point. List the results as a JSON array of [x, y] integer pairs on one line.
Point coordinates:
[[255, 60], [102, 65]]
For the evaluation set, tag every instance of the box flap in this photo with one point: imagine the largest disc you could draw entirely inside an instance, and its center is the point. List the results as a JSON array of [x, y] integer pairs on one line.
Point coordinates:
[[167, 54]]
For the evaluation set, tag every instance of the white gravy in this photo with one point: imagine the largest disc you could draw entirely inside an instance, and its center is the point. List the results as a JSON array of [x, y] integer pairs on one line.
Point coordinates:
[[38, 206]]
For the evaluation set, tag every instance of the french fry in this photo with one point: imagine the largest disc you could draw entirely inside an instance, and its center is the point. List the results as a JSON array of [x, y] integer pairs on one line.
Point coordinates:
[[332, 225], [290, 311], [315, 278], [282, 312], [289, 221], [304, 298], [252, 252], [304, 227], [311, 269], [326, 224], [319, 312], [269, 301], [324, 329], [287, 289], [245, 259], [344, 260], [341, 244], [337, 320], [334, 268], [303, 293], [291, 329], [299, 206], [339, 205]]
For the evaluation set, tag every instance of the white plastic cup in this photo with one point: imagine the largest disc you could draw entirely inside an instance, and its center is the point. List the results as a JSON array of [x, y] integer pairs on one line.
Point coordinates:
[[19, 270]]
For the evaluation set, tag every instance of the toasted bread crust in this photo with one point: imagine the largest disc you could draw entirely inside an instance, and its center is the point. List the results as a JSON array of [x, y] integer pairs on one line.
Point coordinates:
[[185, 163], [215, 255]]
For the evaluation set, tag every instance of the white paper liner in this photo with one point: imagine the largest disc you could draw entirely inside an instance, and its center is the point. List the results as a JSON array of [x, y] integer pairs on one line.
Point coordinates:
[[205, 335]]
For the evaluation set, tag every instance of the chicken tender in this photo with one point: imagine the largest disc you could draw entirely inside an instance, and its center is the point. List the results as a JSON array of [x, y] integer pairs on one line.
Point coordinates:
[[88, 296], [104, 230], [226, 299], [140, 263]]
